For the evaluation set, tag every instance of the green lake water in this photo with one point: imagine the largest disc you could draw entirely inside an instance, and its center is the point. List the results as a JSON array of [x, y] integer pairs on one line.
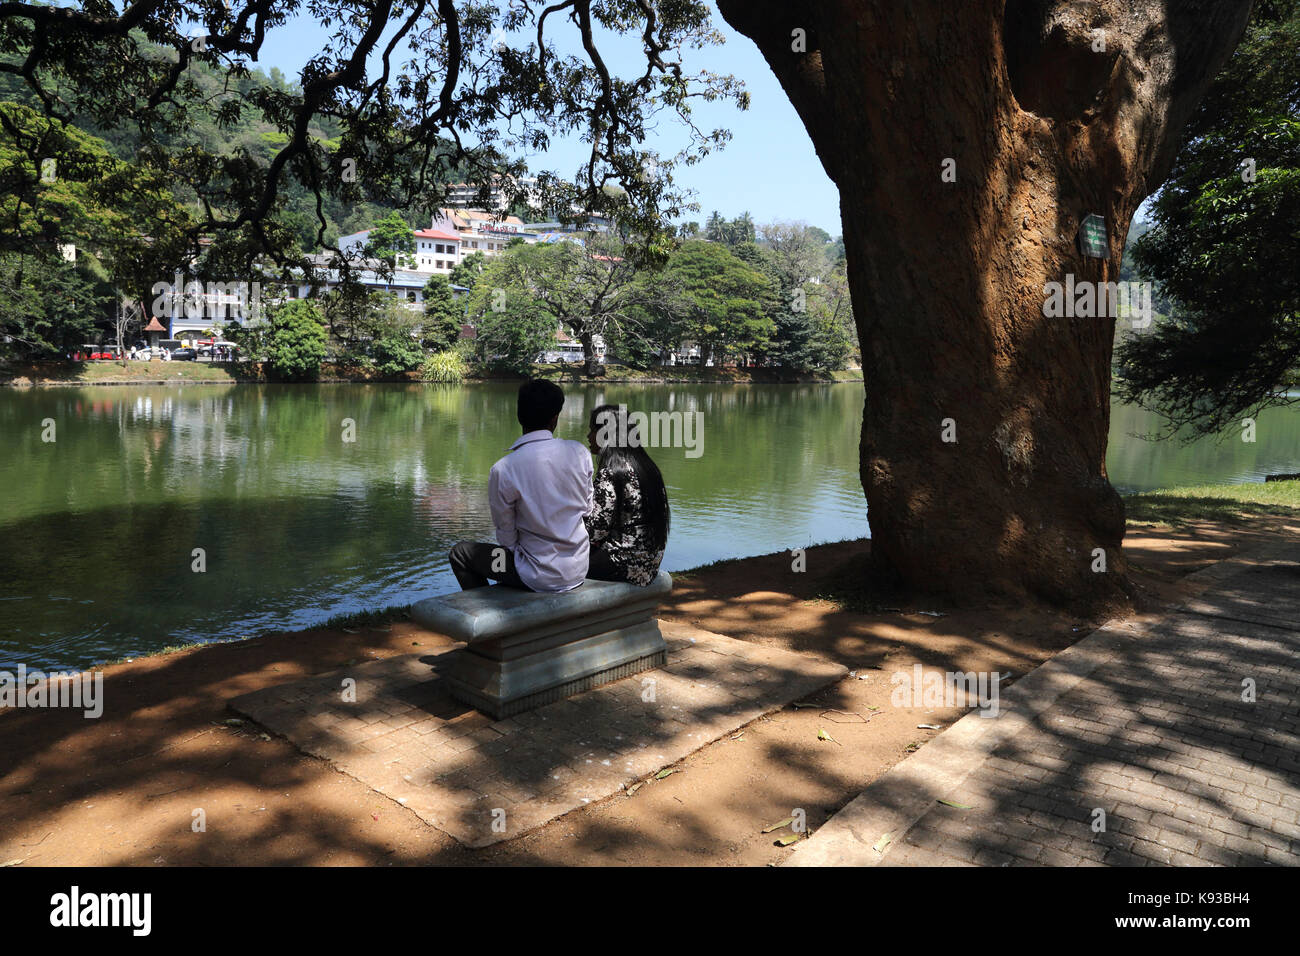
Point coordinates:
[[98, 528]]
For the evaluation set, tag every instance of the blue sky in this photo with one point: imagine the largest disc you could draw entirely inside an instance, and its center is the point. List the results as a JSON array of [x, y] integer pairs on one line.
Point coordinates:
[[769, 168]]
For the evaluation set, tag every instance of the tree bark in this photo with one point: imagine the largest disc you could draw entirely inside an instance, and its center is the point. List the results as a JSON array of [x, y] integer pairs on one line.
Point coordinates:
[[947, 277], [590, 367]]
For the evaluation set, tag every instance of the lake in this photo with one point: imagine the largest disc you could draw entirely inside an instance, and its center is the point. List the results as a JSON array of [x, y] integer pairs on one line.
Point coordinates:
[[99, 528]]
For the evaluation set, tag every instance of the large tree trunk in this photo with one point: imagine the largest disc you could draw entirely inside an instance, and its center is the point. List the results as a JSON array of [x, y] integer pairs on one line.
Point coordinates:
[[948, 278], [590, 365]]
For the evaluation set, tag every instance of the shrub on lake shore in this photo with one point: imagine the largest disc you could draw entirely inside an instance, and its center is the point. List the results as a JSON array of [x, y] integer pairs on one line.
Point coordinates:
[[447, 367]]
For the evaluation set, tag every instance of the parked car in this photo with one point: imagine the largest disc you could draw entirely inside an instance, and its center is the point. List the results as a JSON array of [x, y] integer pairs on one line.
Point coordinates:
[[184, 354]]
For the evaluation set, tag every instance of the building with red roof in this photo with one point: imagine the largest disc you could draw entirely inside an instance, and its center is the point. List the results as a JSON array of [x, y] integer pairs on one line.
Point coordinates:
[[436, 251]]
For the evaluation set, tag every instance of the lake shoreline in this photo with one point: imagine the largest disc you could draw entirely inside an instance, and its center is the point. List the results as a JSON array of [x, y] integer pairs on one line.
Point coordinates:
[[1178, 509], [85, 375]]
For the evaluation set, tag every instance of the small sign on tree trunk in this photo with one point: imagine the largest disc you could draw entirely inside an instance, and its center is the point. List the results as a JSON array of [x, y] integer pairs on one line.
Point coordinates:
[[1092, 237]]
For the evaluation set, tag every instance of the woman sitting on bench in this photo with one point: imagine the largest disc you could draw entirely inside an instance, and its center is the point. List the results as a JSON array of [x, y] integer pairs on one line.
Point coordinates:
[[628, 525]]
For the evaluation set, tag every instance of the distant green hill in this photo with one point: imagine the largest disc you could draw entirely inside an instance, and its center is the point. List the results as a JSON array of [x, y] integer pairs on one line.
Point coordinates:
[[240, 129]]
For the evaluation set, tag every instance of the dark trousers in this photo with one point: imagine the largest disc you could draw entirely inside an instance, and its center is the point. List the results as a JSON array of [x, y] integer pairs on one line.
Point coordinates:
[[601, 568], [476, 564]]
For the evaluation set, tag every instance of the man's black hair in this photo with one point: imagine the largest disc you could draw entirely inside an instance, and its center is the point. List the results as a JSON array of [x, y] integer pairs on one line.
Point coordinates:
[[539, 402]]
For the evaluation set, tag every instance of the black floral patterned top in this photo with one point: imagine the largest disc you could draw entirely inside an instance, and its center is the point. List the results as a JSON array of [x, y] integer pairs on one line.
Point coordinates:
[[615, 525]]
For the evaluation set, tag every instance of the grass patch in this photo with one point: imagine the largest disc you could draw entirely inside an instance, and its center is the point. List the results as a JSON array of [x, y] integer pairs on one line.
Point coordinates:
[[169, 649], [113, 373], [92, 373], [372, 618], [1232, 504], [689, 573]]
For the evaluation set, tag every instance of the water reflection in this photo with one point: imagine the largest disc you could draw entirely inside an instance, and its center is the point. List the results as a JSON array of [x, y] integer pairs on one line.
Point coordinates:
[[98, 529], [1137, 464]]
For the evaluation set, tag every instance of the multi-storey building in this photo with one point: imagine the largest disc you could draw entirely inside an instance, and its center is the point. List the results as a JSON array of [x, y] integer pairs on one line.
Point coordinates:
[[453, 234], [436, 251], [481, 231], [406, 285], [467, 194]]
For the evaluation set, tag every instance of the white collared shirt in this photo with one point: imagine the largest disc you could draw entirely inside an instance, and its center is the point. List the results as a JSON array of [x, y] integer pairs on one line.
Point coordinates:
[[539, 494]]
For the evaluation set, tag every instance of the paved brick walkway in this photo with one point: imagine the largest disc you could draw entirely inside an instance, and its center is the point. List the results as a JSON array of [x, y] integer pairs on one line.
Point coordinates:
[[1142, 730], [485, 781]]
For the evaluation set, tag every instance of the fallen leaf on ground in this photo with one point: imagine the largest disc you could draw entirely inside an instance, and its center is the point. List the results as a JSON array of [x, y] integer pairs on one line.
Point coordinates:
[[884, 841], [823, 735], [959, 806], [793, 838], [928, 727], [233, 722], [664, 773], [800, 705], [635, 787], [776, 826]]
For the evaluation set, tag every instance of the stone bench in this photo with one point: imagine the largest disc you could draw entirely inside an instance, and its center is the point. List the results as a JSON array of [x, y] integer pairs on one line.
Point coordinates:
[[527, 649]]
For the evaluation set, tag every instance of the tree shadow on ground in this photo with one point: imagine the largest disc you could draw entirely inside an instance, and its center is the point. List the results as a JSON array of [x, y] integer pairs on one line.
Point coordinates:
[[124, 789]]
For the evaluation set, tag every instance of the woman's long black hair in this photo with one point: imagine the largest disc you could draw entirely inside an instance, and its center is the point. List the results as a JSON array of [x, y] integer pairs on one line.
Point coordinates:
[[624, 456]]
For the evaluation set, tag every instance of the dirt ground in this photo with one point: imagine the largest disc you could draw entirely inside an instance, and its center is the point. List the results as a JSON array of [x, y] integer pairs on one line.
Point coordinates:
[[125, 789]]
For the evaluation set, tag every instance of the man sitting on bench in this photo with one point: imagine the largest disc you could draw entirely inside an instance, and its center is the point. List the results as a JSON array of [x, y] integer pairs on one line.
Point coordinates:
[[539, 493]]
